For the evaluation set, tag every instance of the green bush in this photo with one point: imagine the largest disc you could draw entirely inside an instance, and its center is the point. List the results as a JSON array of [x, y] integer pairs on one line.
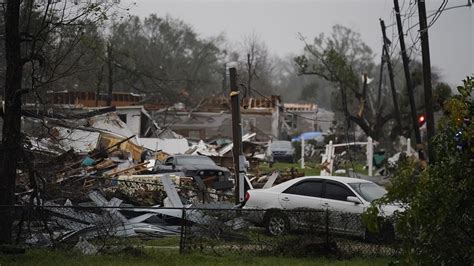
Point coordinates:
[[437, 226]]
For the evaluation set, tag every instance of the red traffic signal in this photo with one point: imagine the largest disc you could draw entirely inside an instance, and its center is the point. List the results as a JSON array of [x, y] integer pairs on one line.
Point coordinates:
[[421, 120]]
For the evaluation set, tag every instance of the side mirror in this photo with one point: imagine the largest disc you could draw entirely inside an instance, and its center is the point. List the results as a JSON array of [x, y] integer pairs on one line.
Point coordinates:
[[354, 200]]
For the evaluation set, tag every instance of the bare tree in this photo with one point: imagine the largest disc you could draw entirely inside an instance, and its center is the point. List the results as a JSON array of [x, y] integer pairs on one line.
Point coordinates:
[[255, 59], [345, 60], [40, 36]]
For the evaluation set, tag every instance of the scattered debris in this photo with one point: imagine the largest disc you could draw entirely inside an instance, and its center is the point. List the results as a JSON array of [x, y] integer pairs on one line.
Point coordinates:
[[85, 247], [93, 175], [271, 180], [274, 178]]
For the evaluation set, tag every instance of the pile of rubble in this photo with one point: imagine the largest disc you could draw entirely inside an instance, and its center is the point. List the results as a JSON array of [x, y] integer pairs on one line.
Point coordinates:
[[76, 161]]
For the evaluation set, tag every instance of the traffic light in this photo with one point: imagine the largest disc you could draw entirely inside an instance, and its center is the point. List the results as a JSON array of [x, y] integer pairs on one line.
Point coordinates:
[[421, 120]]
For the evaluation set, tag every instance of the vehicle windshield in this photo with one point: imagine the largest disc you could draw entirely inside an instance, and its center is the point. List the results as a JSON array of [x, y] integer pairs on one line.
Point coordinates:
[[281, 145], [194, 160], [369, 191]]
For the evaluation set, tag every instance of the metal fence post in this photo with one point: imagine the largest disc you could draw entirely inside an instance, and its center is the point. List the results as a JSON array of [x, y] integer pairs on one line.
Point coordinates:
[[182, 239], [327, 227], [302, 153], [370, 155], [331, 157]]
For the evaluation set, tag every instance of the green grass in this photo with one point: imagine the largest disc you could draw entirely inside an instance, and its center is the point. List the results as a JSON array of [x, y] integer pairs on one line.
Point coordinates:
[[310, 168], [169, 241], [160, 242], [167, 257]]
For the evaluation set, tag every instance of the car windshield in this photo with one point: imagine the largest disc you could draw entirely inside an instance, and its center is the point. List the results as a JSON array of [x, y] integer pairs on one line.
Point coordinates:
[[369, 191], [194, 160], [281, 145]]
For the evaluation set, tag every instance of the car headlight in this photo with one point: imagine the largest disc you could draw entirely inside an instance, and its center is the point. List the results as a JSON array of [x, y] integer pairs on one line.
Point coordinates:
[[201, 172], [219, 173]]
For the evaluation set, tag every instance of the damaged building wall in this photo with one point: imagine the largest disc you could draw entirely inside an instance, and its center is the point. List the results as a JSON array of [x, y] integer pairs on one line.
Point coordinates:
[[136, 118], [170, 146], [263, 122], [299, 117], [197, 125], [131, 115], [212, 118], [206, 125]]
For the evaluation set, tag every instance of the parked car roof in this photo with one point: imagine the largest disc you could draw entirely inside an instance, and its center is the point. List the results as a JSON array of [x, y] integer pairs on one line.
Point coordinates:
[[342, 179], [193, 159]]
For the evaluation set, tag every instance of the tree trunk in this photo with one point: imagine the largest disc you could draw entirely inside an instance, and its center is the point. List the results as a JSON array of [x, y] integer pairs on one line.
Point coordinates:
[[99, 85], [249, 71], [11, 138]]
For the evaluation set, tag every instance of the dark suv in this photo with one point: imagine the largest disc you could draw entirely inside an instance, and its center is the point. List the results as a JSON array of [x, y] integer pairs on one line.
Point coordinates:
[[282, 150]]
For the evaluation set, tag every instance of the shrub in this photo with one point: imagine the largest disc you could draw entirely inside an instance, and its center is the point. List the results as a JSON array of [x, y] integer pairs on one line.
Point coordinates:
[[437, 226]]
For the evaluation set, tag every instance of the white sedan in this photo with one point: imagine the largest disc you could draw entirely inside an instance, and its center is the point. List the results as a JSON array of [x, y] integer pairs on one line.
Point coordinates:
[[335, 194]]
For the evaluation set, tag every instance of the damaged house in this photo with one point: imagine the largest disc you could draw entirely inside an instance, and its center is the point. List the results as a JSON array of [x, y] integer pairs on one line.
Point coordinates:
[[268, 117]]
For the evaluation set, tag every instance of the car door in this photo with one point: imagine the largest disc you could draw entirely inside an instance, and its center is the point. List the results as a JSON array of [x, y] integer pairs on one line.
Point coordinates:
[[305, 194], [300, 196], [344, 215]]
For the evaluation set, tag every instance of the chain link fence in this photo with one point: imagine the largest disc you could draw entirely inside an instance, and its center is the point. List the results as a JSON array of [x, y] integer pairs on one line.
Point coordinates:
[[285, 232], [219, 230]]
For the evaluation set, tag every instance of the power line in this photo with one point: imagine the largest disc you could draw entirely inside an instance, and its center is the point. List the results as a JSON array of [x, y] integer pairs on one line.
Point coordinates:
[[433, 13], [438, 12]]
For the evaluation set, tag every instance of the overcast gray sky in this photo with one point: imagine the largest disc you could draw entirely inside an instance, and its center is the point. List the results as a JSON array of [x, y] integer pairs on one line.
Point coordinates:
[[278, 22]]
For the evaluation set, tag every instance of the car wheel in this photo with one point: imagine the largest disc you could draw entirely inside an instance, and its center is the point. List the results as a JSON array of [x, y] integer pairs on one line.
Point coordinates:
[[276, 223]]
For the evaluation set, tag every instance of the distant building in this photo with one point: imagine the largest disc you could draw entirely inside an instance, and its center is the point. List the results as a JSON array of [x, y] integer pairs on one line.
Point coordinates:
[[213, 118], [91, 99], [268, 117]]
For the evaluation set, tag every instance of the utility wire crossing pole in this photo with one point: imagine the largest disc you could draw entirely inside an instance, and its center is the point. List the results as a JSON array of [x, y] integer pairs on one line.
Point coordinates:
[[425, 56], [390, 74], [236, 137], [409, 82]]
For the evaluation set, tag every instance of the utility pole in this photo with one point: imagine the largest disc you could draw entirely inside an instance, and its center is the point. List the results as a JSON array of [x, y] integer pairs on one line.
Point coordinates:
[[409, 82], [236, 136], [390, 74], [425, 56], [379, 93]]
